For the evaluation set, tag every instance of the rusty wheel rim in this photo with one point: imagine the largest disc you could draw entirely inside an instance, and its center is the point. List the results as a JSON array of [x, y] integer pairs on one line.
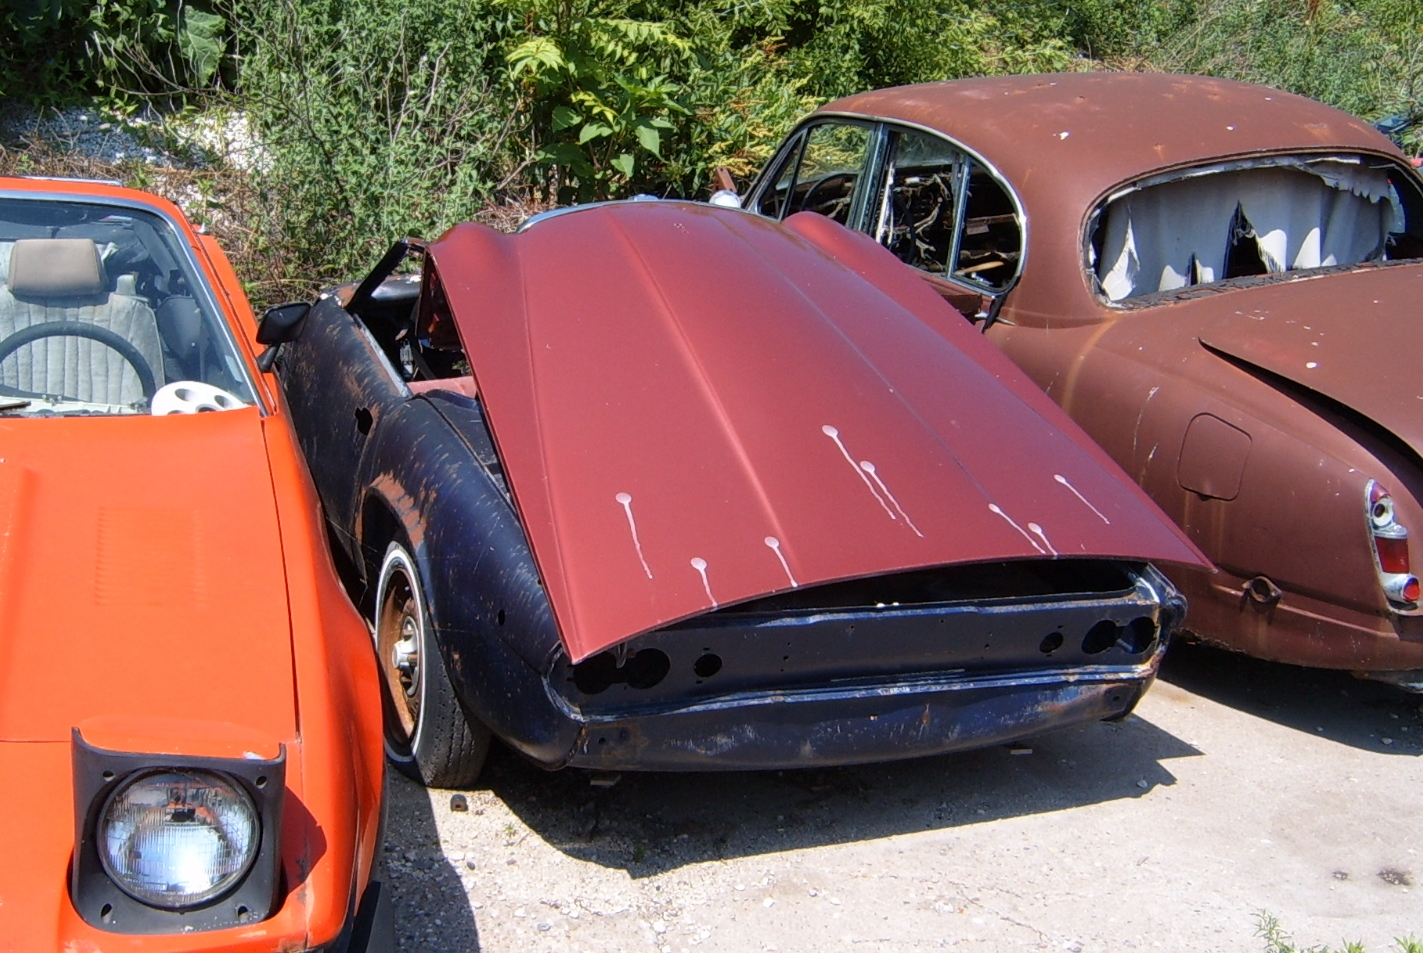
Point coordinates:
[[398, 648]]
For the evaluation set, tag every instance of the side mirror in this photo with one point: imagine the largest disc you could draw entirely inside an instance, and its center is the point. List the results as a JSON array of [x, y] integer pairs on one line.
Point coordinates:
[[280, 323]]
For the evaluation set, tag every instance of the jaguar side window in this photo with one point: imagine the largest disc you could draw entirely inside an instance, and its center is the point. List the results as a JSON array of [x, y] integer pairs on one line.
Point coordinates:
[[772, 200], [991, 243], [917, 206], [832, 160]]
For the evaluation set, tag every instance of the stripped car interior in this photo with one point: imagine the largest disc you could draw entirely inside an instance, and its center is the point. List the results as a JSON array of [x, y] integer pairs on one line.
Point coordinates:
[[1271, 215]]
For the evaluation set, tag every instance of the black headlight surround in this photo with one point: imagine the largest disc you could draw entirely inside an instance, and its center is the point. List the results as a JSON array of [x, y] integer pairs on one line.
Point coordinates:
[[101, 903]]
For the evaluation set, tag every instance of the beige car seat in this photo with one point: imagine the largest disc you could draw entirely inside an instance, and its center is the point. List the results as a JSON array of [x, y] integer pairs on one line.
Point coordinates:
[[63, 279]]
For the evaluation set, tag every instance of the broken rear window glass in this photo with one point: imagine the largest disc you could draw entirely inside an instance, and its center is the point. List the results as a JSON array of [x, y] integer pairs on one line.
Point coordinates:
[[1257, 217]]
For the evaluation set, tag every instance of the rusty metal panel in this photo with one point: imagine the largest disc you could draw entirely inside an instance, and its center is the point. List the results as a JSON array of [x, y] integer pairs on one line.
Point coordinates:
[[1255, 411]]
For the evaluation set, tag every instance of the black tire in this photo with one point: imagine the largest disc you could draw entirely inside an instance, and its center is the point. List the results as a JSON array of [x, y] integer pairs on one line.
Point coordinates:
[[427, 735]]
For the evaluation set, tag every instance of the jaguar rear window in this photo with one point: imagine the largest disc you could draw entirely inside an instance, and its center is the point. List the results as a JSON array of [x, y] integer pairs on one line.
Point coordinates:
[[1267, 216]]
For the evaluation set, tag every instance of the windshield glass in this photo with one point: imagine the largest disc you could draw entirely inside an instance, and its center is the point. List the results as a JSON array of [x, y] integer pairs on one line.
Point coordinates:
[[102, 312], [1258, 217]]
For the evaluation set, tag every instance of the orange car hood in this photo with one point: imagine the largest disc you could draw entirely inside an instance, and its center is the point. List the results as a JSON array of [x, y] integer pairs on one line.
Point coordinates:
[[1351, 337], [141, 575], [696, 407]]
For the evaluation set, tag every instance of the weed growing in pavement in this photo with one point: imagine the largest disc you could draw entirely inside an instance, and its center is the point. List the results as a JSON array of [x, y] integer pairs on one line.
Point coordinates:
[[1278, 941]]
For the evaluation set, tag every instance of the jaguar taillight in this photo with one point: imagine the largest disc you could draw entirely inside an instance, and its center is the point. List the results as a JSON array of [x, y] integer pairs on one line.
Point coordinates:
[[1390, 540]]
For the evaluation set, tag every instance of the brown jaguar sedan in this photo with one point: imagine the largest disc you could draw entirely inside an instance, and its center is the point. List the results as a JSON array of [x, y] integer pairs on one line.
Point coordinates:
[[1222, 283]]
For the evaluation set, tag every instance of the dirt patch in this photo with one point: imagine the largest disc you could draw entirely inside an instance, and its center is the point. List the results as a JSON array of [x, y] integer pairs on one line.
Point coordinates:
[[1180, 824]]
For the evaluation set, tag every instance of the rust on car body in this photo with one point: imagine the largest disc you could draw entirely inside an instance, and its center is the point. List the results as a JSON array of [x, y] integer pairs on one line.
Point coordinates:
[[653, 485], [1263, 400]]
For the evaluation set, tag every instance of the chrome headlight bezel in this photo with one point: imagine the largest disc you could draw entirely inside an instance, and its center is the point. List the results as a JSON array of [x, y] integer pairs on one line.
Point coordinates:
[[100, 775]]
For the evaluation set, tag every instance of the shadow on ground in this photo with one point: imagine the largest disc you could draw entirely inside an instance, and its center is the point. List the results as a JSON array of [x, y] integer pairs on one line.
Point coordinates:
[[648, 824], [431, 907], [1331, 704]]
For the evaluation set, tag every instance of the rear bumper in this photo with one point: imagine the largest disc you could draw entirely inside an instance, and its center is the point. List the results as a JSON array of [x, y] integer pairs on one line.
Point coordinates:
[[862, 723], [1303, 630]]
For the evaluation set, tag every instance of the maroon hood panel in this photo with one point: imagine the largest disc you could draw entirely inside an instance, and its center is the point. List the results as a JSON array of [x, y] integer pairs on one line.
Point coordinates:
[[698, 406], [1351, 337]]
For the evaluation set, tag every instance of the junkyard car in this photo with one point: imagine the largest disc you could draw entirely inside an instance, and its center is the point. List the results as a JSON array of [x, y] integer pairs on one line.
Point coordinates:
[[190, 724], [653, 485], [1218, 281]]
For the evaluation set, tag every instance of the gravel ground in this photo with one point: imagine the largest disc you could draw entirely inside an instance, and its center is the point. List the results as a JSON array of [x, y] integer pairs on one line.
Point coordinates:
[[188, 142], [1238, 787]]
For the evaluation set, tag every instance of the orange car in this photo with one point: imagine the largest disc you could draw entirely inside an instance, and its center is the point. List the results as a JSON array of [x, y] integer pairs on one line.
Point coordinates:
[[190, 724]]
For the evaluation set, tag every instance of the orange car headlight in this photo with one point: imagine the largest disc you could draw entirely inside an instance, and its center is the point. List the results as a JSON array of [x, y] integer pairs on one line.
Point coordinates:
[[172, 843], [178, 838]]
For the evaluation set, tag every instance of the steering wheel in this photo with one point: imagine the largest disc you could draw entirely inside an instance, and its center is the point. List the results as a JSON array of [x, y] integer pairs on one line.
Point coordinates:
[[76, 329], [822, 186]]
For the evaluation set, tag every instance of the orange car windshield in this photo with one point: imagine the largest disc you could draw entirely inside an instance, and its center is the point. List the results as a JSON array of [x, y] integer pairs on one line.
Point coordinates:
[[102, 311]]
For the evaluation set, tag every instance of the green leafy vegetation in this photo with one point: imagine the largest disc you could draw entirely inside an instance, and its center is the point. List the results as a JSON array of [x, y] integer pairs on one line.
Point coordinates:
[[1278, 941], [377, 118], [1364, 56], [55, 49]]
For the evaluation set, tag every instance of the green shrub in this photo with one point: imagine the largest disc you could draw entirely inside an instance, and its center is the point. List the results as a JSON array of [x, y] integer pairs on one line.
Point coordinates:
[[380, 118], [1277, 940], [59, 49], [377, 119], [844, 46]]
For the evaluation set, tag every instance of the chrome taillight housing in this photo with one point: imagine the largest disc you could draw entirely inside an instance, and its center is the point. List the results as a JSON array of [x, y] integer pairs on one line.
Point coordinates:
[[1390, 539]]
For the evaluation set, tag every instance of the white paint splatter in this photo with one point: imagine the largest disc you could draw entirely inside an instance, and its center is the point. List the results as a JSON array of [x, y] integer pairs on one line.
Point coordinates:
[[1312, 365], [1043, 536], [1063, 480], [626, 500], [1031, 542], [700, 565], [1063, 135], [1136, 431], [775, 545], [834, 434], [869, 468]]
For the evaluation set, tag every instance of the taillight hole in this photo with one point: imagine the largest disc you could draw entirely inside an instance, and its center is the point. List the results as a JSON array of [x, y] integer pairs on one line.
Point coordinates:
[[707, 666], [1139, 636], [1100, 637], [599, 673]]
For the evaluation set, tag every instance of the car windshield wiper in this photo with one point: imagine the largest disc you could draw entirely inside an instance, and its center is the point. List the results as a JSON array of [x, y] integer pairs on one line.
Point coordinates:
[[13, 403]]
